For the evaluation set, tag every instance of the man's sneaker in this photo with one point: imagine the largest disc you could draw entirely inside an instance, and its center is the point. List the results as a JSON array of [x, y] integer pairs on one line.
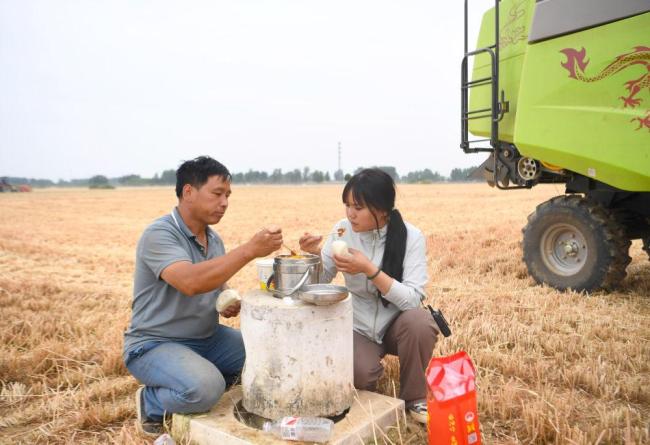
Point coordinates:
[[419, 412], [145, 425]]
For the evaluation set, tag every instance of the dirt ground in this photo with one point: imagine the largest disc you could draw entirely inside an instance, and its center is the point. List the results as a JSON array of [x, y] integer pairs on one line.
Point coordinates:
[[553, 367]]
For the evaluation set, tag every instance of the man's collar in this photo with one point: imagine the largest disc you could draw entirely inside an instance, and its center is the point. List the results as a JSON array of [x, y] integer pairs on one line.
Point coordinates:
[[178, 219], [176, 216]]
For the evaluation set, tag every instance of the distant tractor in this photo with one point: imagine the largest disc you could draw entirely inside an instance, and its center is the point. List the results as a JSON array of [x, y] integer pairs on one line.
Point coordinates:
[[6, 187], [560, 93]]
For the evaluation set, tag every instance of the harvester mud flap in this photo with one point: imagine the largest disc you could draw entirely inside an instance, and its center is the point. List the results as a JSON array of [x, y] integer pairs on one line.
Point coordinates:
[[486, 171], [481, 172]]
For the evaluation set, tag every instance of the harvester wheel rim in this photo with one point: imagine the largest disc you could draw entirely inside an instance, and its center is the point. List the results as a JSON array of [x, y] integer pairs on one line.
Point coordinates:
[[563, 249]]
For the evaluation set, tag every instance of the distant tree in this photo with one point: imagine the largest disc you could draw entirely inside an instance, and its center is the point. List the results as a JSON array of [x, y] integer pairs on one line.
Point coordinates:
[[305, 174], [327, 177], [99, 182], [276, 176], [423, 177], [347, 177], [317, 176], [456, 175], [131, 180], [168, 177], [254, 176], [16, 181], [293, 176], [463, 174], [338, 175], [41, 182]]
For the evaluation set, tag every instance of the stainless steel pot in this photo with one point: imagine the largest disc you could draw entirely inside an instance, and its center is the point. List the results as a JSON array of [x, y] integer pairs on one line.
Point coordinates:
[[291, 273]]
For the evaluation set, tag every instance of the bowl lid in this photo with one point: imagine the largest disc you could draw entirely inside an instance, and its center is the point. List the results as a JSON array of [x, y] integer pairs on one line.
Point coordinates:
[[322, 294]]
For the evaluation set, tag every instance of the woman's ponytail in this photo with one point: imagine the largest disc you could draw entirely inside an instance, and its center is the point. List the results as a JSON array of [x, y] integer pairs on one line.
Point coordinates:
[[392, 262], [395, 249]]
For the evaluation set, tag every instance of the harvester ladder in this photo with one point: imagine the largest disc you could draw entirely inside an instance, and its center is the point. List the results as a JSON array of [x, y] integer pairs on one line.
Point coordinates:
[[497, 108], [494, 112]]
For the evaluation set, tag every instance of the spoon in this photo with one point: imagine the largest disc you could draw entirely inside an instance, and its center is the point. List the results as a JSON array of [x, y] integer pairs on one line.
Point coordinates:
[[293, 252]]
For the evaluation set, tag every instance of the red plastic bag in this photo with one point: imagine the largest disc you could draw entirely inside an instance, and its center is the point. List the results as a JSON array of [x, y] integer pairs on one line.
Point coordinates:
[[451, 401]]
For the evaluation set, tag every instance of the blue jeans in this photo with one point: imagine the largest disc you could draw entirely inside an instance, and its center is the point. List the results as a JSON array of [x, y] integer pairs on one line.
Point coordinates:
[[187, 376]]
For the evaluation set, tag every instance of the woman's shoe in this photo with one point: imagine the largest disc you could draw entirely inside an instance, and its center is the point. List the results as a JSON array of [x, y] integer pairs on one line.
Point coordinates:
[[418, 411]]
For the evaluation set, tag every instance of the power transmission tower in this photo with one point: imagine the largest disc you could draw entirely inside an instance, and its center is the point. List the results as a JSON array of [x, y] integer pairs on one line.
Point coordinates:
[[338, 176], [339, 156]]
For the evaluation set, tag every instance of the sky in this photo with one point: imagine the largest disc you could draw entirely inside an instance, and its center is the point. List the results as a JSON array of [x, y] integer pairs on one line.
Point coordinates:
[[122, 87]]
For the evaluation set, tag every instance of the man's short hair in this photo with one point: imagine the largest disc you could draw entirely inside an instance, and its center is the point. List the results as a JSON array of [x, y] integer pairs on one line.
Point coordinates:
[[197, 172]]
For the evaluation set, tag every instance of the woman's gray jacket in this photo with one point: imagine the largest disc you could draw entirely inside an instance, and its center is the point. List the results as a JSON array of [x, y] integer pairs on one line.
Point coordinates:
[[371, 318]]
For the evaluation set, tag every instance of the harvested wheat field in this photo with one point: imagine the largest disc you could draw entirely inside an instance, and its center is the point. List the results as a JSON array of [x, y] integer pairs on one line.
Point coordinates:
[[554, 367]]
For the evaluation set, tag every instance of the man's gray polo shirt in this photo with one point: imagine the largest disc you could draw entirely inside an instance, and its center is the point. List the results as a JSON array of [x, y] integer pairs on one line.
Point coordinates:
[[159, 311]]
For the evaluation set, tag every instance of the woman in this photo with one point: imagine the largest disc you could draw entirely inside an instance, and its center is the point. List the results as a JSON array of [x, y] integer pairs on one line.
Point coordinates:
[[385, 272]]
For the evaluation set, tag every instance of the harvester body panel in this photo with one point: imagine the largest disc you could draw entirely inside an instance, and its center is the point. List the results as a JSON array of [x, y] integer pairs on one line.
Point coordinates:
[[579, 101], [576, 111]]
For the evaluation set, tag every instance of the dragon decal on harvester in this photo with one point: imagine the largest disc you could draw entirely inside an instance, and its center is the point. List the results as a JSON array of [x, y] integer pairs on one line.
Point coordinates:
[[576, 65], [514, 30]]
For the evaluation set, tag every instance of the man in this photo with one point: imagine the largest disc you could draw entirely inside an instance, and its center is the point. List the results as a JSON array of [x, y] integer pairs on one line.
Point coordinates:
[[175, 345]]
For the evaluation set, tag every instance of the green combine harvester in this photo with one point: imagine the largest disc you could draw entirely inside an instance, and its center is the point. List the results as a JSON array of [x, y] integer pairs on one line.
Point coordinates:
[[560, 93]]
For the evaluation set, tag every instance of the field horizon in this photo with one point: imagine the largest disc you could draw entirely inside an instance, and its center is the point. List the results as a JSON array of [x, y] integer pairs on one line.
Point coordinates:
[[553, 367]]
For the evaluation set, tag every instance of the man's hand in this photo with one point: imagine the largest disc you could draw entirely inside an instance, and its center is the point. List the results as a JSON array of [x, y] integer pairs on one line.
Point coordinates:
[[232, 310], [310, 243], [265, 241], [206, 276], [355, 262]]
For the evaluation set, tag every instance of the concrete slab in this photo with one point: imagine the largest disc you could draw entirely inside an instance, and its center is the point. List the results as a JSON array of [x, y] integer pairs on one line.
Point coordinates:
[[369, 411]]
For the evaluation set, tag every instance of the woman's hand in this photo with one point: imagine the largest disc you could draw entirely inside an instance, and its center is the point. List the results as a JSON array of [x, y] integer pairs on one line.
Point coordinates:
[[355, 262], [310, 243]]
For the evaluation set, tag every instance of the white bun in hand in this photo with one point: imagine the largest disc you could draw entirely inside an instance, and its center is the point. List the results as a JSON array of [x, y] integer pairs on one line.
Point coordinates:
[[340, 248], [227, 298]]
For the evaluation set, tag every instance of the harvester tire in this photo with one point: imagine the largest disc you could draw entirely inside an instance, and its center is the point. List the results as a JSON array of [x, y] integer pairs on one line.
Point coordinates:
[[573, 243]]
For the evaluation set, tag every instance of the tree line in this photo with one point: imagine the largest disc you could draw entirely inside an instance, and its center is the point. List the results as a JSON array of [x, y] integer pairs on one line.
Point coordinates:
[[277, 176]]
